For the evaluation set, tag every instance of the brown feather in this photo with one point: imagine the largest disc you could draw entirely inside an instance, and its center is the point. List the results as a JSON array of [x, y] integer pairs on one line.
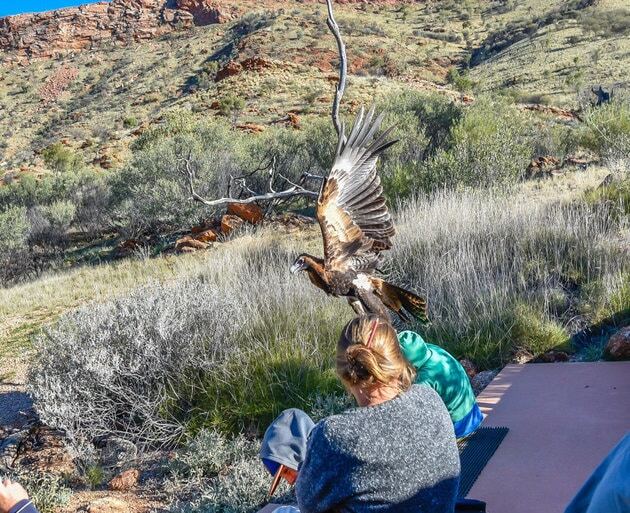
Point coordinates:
[[400, 300], [351, 210]]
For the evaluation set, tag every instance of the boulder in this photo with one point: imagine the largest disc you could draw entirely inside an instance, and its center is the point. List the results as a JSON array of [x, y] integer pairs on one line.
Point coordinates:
[[126, 247], [618, 347], [553, 356], [251, 128], [469, 367], [117, 452], [231, 69], [206, 12], [230, 223], [125, 481], [294, 120], [249, 212], [108, 505], [202, 227], [256, 64], [482, 380], [541, 166], [188, 242], [206, 236]]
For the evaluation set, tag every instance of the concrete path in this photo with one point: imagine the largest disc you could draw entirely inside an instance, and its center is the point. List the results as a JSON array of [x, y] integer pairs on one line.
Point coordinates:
[[563, 418]]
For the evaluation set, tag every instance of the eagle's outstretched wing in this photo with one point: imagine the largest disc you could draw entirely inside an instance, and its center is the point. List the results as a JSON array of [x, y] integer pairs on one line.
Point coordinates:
[[351, 211]]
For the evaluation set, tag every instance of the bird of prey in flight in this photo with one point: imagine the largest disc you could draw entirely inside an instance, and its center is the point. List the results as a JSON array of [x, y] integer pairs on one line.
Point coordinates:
[[356, 226]]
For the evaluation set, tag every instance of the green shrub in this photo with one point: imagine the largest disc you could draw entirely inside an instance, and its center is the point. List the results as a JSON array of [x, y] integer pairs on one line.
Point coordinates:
[[490, 146], [422, 124], [61, 159], [151, 193], [95, 476], [130, 122], [14, 229], [230, 105], [534, 332], [606, 129], [461, 81]]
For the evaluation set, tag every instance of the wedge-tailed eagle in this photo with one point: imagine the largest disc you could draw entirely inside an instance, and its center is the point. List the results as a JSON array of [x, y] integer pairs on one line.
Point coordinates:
[[356, 226]]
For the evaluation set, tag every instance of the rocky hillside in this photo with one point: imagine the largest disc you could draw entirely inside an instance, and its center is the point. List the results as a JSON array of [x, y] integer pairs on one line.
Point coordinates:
[[54, 33], [93, 78]]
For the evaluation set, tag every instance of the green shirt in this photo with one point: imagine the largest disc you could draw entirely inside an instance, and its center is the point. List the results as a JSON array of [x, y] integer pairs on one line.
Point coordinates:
[[438, 369]]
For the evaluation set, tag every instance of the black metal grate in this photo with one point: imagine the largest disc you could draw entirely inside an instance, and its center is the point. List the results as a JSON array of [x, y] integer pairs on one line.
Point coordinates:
[[475, 452]]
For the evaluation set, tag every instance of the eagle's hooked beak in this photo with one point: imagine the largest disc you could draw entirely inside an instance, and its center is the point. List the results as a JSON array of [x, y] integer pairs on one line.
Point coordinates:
[[297, 267]]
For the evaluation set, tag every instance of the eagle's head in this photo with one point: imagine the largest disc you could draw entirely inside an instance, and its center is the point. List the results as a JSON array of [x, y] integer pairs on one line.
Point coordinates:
[[301, 264]]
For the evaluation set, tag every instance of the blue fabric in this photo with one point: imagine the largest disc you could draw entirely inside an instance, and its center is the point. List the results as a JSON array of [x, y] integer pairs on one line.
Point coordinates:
[[28, 509], [469, 423], [285, 440], [607, 490]]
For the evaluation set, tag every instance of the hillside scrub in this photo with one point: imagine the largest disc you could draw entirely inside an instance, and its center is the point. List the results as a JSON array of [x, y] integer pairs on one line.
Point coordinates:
[[442, 145], [606, 129], [237, 339], [216, 474], [447, 146]]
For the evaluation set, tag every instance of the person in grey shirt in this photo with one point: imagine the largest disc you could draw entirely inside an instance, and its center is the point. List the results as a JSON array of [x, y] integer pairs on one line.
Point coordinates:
[[396, 452]]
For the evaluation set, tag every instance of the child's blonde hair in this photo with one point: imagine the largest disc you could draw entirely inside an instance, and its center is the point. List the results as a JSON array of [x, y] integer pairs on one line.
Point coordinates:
[[368, 353]]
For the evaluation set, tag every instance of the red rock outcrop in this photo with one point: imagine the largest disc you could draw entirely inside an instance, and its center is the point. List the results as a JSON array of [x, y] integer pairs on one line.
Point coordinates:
[[205, 12], [249, 212], [618, 347], [58, 83], [229, 223], [52, 33], [125, 481]]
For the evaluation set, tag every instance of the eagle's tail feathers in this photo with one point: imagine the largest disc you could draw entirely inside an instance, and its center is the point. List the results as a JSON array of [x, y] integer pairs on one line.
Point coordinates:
[[401, 301]]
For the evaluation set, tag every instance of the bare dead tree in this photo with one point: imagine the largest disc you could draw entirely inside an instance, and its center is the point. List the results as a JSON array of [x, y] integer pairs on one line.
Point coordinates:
[[292, 189], [295, 189], [343, 70]]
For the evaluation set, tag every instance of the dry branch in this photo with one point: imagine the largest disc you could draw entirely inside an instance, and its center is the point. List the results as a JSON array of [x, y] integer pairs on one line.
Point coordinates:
[[343, 69], [295, 189]]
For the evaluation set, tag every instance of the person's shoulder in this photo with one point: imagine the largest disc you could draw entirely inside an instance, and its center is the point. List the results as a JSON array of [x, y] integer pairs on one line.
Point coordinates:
[[410, 337], [334, 425], [330, 437], [424, 394]]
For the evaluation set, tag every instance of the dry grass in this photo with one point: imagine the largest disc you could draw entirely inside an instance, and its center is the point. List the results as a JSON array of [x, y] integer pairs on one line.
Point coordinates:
[[504, 273]]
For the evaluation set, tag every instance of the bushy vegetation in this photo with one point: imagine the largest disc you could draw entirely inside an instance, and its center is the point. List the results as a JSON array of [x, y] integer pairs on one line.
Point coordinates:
[[606, 129], [49, 492], [507, 273], [228, 347], [61, 159], [216, 474], [441, 145], [238, 339], [444, 145]]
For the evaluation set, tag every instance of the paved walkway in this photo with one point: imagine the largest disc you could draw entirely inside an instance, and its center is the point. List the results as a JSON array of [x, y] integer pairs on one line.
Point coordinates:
[[563, 419]]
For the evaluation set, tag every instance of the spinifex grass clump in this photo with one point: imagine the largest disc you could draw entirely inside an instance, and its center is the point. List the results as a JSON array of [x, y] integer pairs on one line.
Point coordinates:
[[230, 346], [504, 273]]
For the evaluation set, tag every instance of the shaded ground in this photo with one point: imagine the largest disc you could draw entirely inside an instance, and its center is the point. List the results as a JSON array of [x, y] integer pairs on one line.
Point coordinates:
[[15, 404]]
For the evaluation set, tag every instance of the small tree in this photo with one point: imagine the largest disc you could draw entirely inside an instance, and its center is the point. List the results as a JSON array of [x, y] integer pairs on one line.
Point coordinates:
[[61, 159]]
